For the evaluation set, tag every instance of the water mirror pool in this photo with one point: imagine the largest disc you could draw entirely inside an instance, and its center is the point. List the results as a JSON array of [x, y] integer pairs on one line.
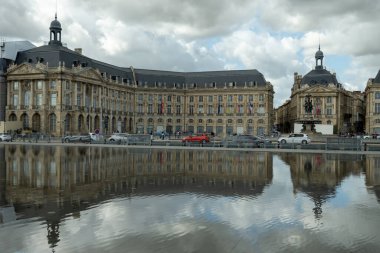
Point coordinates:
[[97, 199]]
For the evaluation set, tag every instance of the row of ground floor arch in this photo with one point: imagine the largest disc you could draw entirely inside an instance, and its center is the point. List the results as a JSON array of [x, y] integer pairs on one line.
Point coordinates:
[[70, 124], [74, 124]]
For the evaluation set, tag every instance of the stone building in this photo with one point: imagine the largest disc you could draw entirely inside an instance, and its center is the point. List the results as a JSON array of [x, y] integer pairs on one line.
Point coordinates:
[[57, 91], [318, 101], [372, 98]]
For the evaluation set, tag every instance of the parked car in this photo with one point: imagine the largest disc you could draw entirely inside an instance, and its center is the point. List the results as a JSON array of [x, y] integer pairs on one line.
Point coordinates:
[[118, 138], [245, 140], [84, 138], [366, 136], [5, 137], [295, 138], [196, 138]]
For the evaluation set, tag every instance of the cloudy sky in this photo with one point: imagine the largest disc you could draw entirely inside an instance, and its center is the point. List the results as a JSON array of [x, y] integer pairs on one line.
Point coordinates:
[[276, 37]]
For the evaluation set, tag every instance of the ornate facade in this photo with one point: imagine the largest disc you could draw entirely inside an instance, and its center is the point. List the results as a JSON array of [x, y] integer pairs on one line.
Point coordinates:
[[58, 91], [318, 98], [372, 98]]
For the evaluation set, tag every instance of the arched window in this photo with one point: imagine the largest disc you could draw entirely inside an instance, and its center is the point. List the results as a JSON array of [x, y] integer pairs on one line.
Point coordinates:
[[67, 123], [52, 122], [12, 117], [209, 121], [239, 121], [229, 121], [169, 120], [150, 120], [160, 120], [220, 121], [191, 121], [250, 121], [260, 121], [80, 122], [36, 122], [200, 121], [25, 120], [329, 122]]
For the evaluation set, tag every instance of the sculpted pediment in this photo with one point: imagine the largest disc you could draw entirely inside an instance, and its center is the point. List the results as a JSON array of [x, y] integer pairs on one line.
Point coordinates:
[[24, 68], [89, 73], [319, 89]]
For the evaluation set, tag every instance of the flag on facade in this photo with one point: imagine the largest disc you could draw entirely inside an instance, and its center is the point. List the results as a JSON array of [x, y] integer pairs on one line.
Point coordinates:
[[250, 107], [162, 105], [218, 108], [317, 109]]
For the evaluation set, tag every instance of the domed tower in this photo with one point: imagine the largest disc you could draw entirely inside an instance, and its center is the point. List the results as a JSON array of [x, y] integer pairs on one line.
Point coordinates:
[[319, 58], [55, 32]]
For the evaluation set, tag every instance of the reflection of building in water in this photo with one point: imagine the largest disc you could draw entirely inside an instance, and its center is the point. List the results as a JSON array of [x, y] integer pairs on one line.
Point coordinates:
[[58, 181], [372, 168], [7, 212], [65, 168], [318, 175]]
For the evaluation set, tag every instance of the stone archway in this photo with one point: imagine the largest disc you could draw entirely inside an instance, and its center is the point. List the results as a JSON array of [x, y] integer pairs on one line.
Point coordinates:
[[25, 121], [80, 124], [67, 124], [52, 123], [97, 122], [36, 123]]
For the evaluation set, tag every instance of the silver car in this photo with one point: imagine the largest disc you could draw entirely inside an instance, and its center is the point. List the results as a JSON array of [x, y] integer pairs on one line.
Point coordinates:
[[85, 138], [295, 138], [5, 137], [118, 138]]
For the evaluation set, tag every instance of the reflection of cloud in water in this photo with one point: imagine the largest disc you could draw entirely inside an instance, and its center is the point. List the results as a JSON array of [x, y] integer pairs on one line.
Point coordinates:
[[204, 210]]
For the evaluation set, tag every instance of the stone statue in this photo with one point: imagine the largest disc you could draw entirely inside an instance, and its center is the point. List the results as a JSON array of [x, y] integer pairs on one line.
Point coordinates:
[[308, 104]]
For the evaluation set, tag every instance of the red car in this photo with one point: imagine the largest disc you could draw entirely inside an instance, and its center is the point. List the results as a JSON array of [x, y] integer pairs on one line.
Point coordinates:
[[196, 138]]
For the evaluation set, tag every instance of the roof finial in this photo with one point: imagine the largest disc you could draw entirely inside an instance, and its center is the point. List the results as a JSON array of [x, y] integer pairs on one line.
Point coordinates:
[[56, 9], [319, 42]]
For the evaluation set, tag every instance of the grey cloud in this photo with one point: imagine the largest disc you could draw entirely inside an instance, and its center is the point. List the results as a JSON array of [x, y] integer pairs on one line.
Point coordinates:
[[207, 18], [17, 20], [301, 15]]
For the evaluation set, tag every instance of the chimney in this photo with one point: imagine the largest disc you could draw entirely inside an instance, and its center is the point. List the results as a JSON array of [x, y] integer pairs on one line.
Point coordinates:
[[78, 50]]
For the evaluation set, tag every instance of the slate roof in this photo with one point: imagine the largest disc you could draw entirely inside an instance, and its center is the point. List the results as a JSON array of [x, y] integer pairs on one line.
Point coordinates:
[[12, 47], [377, 78], [53, 54], [319, 77]]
